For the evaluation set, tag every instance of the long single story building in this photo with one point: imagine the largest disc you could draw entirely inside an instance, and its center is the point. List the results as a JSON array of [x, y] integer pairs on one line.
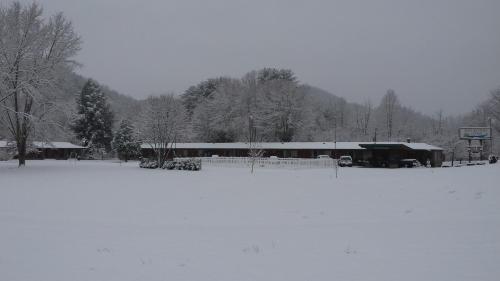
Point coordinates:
[[377, 154], [46, 150]]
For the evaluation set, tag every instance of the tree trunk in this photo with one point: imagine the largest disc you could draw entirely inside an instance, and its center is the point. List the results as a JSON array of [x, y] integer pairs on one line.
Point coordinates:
[[21, 152]]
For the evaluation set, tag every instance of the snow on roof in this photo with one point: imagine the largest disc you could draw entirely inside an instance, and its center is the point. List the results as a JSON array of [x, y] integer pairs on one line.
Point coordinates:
[[55, 144], [266, 145], [295, 145], [422, 146], [40, 144]]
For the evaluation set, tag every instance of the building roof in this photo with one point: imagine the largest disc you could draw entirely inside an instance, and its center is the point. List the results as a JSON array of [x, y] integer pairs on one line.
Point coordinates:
[[298, 145], [422, 146], [399, 145], [41, 144]]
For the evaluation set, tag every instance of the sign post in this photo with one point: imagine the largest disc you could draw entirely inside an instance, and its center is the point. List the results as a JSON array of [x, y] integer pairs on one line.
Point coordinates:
[[469, 148], [475, 134]]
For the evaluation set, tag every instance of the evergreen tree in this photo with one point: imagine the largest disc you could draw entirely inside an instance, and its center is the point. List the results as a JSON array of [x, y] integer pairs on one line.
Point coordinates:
[[93, 124], [125, 142]]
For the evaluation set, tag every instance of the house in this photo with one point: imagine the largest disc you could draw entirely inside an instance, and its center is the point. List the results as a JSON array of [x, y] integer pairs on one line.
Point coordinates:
[[46, 150], [378, 154]]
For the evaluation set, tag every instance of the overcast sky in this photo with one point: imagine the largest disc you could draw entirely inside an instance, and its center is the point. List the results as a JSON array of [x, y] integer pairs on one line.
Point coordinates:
[[433, 53]]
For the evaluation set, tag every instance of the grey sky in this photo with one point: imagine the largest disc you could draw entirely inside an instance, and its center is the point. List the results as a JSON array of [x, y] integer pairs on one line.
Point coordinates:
[[434, 53]]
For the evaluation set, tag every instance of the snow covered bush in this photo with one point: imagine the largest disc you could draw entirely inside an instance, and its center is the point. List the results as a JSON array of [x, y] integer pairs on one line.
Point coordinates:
[[179, 164], [184, 164], [5, 155], [148, 164], [95, 152]]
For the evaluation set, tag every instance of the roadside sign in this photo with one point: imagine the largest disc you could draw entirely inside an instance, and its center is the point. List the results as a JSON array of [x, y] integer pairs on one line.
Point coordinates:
[[475, 133]]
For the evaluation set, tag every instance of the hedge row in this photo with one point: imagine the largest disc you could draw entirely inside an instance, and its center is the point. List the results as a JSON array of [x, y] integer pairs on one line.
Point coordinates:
[[185, 164]]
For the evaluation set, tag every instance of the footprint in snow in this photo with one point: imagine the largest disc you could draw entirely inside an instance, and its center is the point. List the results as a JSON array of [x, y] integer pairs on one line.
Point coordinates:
[[350, 251], [409, 211], [104, 251], [479, 195], [254, 248]]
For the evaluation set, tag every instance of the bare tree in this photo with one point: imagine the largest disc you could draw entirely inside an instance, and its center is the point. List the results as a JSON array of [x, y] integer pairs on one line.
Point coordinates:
[[438, 128], [254, 152], [32, 51], [340, 109], [162, 123], [494, 105], [390, 103], [367, 116]]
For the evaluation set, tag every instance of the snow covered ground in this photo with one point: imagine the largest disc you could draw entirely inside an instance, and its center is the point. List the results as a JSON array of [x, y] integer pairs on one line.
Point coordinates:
[[61, 220]]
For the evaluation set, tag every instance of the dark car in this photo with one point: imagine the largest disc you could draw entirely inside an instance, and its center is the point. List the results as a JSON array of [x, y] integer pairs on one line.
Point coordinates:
[[493, 159], [409, 163]]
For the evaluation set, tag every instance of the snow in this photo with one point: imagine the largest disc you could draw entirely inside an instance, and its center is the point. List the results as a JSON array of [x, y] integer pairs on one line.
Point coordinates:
[[90, 220], [296, 145]]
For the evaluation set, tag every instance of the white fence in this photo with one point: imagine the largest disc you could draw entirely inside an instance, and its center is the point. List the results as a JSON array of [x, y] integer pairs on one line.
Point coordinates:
[[285, 163]]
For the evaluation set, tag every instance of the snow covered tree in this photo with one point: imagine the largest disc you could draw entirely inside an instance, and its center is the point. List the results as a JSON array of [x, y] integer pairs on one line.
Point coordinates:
[[33, 51], [268, 74], [195, 95], [493, 108], [220, 118], [125, 142], [279, 110], [94, 121], [162, 124]]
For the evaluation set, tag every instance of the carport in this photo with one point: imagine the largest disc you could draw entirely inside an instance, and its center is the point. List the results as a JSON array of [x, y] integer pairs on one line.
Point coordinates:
[[390, 154]]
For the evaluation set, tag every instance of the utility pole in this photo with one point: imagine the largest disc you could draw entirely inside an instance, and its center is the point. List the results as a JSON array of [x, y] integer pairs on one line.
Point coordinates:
[[470, 150], [335, 149], [491, 140]]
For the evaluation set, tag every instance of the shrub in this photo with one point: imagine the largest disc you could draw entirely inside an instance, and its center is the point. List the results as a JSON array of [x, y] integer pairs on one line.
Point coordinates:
[[148, 164], [184, 164]]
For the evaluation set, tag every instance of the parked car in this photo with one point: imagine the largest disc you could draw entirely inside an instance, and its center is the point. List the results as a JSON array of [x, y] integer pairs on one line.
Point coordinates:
[[492, 159], [409, 163], [324, 157], [363, 163], [345, 161]]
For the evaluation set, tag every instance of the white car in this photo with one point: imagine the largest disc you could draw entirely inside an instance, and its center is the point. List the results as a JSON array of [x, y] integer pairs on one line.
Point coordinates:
[[345, 161]]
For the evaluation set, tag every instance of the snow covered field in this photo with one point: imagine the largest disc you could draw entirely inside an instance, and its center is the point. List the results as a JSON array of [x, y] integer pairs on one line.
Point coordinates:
[[61, 220]]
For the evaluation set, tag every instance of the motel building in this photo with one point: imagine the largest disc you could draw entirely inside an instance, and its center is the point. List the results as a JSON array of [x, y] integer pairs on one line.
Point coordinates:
[[46, 150], [374, 154]]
